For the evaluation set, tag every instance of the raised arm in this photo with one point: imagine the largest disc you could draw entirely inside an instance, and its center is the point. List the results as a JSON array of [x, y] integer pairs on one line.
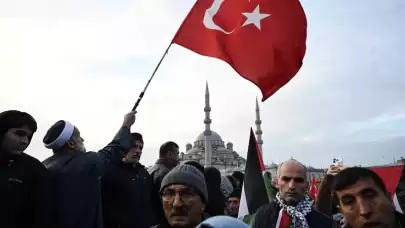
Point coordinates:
[[117, 148]]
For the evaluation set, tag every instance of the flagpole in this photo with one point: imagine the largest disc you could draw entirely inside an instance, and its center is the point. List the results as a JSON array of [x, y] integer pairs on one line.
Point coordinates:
[[150, 79]]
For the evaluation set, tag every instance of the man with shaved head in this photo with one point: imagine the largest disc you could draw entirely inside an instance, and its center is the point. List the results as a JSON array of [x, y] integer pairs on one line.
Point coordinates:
[[292, 206]]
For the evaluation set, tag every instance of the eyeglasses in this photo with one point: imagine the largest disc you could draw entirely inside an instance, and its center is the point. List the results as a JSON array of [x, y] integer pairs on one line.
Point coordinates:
[[186, 195]]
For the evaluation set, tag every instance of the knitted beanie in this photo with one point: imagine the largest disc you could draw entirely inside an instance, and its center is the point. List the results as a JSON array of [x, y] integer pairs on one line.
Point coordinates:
[[189, 176]]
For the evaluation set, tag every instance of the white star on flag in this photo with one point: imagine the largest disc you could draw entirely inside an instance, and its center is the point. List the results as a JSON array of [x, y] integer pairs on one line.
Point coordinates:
[[255, 17]]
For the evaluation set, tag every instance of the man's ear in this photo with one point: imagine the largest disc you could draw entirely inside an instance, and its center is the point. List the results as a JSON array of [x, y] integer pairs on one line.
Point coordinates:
[[71, 144]]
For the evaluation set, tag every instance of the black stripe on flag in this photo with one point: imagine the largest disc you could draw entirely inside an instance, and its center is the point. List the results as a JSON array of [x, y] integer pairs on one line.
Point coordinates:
[[255, 189]]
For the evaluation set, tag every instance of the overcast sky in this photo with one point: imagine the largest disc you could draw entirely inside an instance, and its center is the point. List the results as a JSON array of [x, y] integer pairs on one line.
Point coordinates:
[[86, 61]]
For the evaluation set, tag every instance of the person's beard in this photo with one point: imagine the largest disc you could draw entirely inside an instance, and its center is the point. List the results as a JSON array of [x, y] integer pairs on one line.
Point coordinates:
[[82, 149]]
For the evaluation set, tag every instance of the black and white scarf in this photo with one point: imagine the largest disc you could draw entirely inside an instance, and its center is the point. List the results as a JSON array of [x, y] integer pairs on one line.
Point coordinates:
[[297, 213]]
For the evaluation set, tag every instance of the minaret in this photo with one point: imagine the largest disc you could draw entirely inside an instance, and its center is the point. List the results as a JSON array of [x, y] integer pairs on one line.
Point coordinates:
[[258, 123], [207, 132]]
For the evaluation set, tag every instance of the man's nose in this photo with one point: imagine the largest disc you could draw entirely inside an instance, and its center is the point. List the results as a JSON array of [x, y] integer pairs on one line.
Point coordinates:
[[365, 208], [177, 202], [24, 141], [291, 184]]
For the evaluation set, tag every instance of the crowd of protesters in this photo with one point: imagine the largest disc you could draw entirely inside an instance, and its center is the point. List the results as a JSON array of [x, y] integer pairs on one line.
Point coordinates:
[[110, 188]]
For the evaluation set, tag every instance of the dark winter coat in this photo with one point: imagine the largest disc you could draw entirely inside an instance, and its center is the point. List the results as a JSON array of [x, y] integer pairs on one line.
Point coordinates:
[[267, 215], [216, 199], [204, 217], [75, 183], [157, 172], [23, 192], [128, 197]]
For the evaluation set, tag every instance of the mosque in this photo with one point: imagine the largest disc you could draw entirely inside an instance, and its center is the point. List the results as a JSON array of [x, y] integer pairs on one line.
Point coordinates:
[[224, 157], [219, 155]]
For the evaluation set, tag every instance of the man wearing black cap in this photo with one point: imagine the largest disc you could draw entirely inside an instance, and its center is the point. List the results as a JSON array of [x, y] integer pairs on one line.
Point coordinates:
[[184, 197], [233, 202], [23, 191], [75, 173], [128, 193]]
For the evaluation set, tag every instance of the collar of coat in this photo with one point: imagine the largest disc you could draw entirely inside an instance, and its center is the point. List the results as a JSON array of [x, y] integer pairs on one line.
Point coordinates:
[[136, 166], [162, 161]]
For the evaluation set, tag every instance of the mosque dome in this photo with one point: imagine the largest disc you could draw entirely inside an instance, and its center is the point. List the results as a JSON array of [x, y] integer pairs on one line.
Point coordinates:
[[214, 137], [221, 155]]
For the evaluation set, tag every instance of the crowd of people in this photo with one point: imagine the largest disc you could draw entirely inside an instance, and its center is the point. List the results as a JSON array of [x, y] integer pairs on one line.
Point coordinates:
[[110, 188]]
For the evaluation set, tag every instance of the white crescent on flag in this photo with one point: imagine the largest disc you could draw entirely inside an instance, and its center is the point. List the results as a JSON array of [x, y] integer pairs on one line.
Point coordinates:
[[209, 17]]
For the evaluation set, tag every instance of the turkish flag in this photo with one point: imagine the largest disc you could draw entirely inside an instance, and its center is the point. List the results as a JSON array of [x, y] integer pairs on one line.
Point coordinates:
[[263, 40], [313, 190]]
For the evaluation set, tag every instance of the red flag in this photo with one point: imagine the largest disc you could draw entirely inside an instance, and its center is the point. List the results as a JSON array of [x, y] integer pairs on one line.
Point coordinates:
[[263, 40], [313, 190], [390, 176]]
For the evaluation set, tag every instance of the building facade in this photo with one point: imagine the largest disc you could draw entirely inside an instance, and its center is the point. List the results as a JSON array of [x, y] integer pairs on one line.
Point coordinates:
[[210, 150], [223, 156]]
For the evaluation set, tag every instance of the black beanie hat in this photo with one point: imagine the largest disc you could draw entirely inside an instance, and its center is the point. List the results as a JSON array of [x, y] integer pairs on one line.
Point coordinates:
[[16, 119], [236, 193], [239, 175]]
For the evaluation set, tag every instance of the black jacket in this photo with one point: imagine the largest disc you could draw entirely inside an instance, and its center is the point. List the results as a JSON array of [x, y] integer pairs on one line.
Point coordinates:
[[157, 172], [75, 183], [204, 216], [267, 215], [128, 197], [23, 192]]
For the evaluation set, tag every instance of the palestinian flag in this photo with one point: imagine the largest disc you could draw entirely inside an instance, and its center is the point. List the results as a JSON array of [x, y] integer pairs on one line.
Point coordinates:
[[391, 176], [256, 190]]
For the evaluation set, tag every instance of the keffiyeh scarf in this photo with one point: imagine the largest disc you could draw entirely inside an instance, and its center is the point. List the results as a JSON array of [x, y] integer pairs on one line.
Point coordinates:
[[298, 212]]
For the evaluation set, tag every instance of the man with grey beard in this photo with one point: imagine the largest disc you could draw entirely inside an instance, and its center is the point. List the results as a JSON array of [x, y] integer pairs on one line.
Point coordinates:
[[292, 206], [75, 174]]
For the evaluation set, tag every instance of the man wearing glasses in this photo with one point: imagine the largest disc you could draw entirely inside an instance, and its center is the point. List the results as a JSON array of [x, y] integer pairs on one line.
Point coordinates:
[[184, 197]]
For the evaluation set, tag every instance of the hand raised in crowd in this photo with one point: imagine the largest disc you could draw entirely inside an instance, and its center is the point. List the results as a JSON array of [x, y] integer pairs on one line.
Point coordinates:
[[129, 119], [335, 169]]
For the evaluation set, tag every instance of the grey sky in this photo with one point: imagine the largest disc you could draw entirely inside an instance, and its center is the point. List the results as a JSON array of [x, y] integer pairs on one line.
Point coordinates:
[[348, 99]]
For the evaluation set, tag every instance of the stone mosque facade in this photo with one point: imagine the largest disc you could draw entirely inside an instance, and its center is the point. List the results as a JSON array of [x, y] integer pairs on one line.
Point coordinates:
[[223, 156], [220, 155]]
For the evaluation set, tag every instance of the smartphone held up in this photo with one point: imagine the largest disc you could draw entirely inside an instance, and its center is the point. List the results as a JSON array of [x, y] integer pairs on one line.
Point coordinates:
[[337, 161]]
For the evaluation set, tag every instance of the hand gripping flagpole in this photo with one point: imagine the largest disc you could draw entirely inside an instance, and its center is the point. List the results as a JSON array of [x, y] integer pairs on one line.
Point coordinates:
[[150, 79]]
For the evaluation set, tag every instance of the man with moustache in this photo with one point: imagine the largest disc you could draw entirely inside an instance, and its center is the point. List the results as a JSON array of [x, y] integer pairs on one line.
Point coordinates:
[[127, 190], [292, 206], [184, 197]]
